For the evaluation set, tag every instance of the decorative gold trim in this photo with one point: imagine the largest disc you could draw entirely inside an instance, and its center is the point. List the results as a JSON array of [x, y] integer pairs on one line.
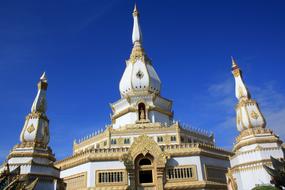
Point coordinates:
[[251, 165], [33, 145], [31, 154], [144, 145], [84, 174], [236, 72], [37, 115], [195, 185], [256, 140], [138, 53], [42, 176], [258, 148], [231, 181], [191, 149], [31, 128], [254, 115], [114, 187]]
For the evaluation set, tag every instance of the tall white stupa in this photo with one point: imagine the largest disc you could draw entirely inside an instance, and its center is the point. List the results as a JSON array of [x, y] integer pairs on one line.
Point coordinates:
[[255, 143], [33, 156]]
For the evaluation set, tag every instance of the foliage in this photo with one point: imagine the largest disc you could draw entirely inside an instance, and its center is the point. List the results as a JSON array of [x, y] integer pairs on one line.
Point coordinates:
[[265, 187], [277, 173]]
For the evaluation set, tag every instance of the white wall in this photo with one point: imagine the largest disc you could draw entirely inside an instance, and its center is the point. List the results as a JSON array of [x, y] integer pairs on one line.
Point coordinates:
[[250, 178], [155, 116], [129, 118], [91, 168]]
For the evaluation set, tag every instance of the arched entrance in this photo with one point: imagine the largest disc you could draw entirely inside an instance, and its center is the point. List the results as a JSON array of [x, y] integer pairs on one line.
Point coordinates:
[[145, 163], [145, 172]]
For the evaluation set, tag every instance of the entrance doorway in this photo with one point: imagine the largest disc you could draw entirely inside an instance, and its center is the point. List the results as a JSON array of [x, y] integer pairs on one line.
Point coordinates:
[[145, 173]]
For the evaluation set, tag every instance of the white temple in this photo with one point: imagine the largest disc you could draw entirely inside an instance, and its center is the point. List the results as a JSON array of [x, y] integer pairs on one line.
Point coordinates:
[[143, 147]]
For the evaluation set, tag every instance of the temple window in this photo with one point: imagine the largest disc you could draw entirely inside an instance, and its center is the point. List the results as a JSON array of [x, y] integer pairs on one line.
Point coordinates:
[[141, 111], [216, 174], [76, 181], [181, 173], [160, 139], [126, 141], [107, 177], [144, 161], [113, 141], [145, 176], [173, 138], [182, 139]]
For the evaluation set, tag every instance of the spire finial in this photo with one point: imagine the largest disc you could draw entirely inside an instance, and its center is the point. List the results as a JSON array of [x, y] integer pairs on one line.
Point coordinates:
[[39, 104], [241, 90], [137, 35], [234, 64], [135, 12], [44, 77]]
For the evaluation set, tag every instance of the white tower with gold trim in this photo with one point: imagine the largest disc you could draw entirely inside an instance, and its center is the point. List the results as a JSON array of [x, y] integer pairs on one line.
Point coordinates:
[[140, 87], [255, 143], [33, 156]]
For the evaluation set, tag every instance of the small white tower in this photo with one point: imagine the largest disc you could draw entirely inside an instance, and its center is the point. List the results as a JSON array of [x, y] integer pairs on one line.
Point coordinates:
[[255, 143], [33, 155]]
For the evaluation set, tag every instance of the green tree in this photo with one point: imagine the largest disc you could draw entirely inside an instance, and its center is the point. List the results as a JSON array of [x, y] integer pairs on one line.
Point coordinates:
[[265, 187]]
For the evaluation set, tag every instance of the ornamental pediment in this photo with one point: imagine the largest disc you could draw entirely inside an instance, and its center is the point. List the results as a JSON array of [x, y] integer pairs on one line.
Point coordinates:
[[145, 145]]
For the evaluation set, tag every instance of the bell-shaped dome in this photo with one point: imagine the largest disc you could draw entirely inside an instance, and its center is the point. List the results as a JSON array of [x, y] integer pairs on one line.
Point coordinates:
[[139, 76]]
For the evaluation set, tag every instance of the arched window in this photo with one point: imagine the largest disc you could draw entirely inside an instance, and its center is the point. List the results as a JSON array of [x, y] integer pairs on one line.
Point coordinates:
[[141, 111], [145, 169], [144, 161]]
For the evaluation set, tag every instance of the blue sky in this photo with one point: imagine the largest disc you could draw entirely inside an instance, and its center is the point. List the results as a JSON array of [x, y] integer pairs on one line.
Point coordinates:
[[83, 45]]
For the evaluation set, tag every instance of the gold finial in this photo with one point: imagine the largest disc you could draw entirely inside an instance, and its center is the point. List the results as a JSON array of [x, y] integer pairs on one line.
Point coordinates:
[[135, 12], [235, 69], [234, 64], [43, 82], [44, 77]]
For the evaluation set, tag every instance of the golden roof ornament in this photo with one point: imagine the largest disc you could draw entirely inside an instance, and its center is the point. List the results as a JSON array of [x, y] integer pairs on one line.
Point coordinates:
[[235, 68]]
